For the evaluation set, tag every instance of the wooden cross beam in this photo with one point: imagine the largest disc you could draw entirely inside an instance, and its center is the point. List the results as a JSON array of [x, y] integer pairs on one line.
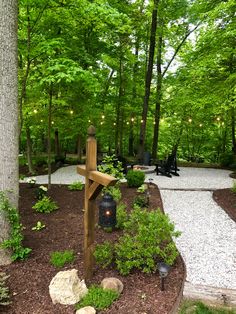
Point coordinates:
[[94, 182]]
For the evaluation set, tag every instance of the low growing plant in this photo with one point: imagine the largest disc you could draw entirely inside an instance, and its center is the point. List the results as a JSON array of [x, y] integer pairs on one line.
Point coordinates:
[[39, 226], [233, 189], [142, 188], [114, 191], [59, 259], [141, 201], [45, 205], [104, 254], [98, 298], [14, 242], [4, 290], [121, 215], [76, 186], [135, 178], [147, 239]]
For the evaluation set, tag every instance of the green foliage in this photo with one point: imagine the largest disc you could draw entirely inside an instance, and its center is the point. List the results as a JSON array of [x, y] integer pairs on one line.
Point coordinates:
[[121, 215], [76, 186], [140, 201], [233, 189], [147, 239], [39, 226], [59, 259], [112, 166], [114, 191], [142, 188], [4, 290], [104, 254], [197, 307], [45, 205], [135, 178], [227, 159], [41, 192], [98, 298], [14, 242]]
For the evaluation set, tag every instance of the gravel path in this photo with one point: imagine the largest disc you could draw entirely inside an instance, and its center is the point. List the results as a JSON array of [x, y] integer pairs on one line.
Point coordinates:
[[208, 238]]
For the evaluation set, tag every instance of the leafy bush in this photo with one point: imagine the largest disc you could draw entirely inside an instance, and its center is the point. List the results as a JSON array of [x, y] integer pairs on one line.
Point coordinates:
[[147, 239], [4, 290], [135, 178], [233, 189], [141, 201], [41, 192], [112, 166], [227, 159], [104, 254], [14, 242], [59, 259], [45, 205], [121, 216], [76, 186], [98, 297], [114, 191]]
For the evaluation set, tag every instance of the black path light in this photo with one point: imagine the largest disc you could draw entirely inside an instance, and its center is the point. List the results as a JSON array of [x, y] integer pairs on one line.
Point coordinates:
[[163, 269], [107, 212]]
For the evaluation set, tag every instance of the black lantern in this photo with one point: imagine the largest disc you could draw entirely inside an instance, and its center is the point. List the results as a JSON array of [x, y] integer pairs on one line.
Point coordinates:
[[107, 212], [163, 272]]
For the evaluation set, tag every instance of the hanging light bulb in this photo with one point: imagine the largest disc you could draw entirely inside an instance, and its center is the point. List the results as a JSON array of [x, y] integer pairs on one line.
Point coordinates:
[[103, 117], [114, 123], [142, 121], [71, 112], [35, 111], [127, 122], [132, 119], [190, 120]]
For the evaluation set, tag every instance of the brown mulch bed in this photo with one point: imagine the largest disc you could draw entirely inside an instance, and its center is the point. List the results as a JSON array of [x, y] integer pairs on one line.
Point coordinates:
[[226, 199], [29, 280]]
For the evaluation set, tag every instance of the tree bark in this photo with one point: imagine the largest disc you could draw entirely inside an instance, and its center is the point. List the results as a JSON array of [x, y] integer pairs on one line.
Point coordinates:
[[49, 136], [158, 95], [9, 170], [233, 131], [29, 151], [148, 82]]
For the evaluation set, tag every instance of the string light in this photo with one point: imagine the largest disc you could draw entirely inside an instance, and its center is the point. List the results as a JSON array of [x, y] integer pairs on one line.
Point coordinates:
[[102, 123], [35, 111], [132, 119], [114, 123], [71, 112], [190, 120], [127, 122], [142, 121], [52, 122], [89, 120], [41, 120], [154, 122], [103, 117], [162, 120], [200, 125], [218, 118]]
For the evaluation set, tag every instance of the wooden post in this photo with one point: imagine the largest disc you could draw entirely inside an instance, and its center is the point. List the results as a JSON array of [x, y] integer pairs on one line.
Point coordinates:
[[94, 182]]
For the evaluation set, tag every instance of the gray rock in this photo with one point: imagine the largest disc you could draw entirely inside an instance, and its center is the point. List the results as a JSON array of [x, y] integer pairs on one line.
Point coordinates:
[[86, 310], [112, 284], [66, 288]]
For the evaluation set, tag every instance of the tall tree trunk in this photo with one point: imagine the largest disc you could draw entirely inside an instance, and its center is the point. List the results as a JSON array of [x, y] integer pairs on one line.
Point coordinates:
[[158, 95], [9, 167], [49, 136], [29, 150], [57, 144], [233, 131], [148, 81]]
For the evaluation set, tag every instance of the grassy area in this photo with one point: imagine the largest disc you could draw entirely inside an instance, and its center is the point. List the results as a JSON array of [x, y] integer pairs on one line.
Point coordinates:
[[197, 307]]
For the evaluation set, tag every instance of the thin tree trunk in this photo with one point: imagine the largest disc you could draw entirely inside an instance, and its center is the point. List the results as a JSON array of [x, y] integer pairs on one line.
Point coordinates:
[[158, 95], [49, 136], [57, 144], [9, 130], [233, 131], [29, 151], [148, 82]]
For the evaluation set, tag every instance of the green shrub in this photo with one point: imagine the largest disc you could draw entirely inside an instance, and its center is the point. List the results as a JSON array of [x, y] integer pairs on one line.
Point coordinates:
[[135, 178], [112, 166], [98, 298], [59, 259], [114, 191], [76, 186], [233, 189], [4, 290], [45, 205], [121, 216], [104, 254], [226, 159], [14, 242], [141, 201], [147, 239]]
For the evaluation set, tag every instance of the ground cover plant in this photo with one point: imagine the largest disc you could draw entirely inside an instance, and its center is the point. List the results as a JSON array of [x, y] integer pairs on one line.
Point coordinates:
[[198, 307], [59, 259], [76, 186], [45, 205]]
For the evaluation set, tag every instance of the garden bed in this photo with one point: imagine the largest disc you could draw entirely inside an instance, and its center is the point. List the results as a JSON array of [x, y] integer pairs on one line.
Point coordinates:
[[29, 280], [226, 199]]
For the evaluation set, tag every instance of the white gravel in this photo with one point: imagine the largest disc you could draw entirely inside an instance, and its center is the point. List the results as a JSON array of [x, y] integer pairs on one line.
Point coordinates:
[[208, 238]]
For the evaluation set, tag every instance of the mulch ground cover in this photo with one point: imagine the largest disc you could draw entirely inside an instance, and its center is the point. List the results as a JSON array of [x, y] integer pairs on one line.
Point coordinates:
[[29, 280], [226, 199]]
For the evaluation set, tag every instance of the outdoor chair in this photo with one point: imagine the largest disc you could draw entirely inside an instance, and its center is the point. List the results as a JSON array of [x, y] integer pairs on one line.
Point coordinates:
[[168, 167]]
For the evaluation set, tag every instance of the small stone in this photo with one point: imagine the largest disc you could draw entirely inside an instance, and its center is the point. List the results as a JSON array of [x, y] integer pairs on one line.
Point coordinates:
[[86, 310], [66, 288], [112, 284]]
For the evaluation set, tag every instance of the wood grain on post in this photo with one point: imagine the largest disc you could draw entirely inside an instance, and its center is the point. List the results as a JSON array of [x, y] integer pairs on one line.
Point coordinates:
[[94, 182]]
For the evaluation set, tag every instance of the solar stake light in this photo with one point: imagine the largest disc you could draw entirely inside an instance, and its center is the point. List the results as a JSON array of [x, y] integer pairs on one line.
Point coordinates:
[[163, 269]]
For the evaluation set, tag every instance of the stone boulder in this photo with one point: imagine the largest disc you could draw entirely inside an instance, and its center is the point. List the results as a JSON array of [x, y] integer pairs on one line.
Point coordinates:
[[66, 288], [112, 284], [86, 310]]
